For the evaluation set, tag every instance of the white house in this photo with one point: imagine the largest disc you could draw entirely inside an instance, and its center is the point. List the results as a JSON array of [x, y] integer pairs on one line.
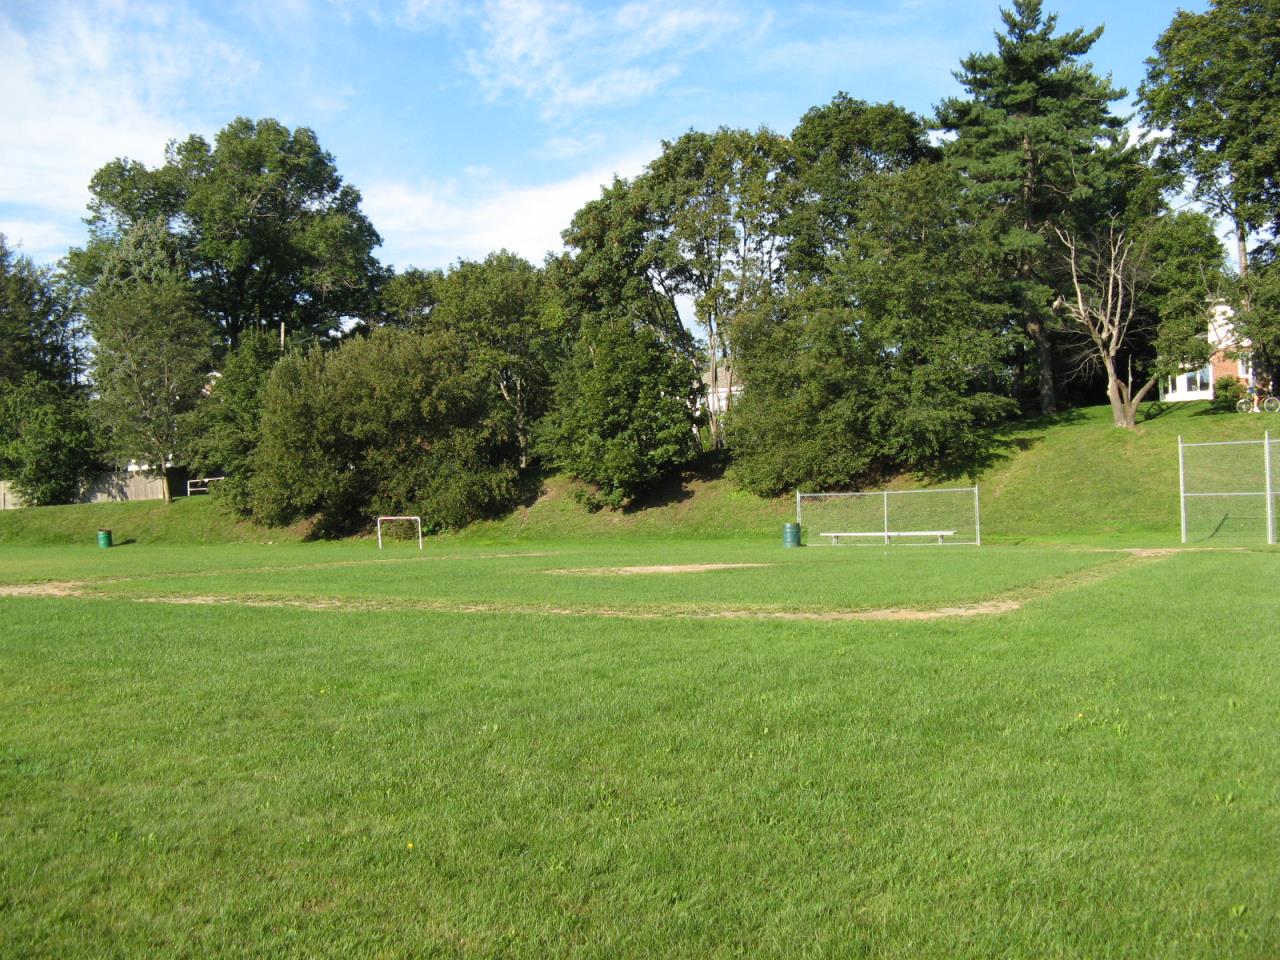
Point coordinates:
[[718, 399], [1198, 384]]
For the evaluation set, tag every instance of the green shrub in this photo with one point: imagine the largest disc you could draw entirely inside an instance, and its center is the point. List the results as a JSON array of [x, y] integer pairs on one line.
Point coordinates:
[[1227, 392], [626, 412], [396, 423]]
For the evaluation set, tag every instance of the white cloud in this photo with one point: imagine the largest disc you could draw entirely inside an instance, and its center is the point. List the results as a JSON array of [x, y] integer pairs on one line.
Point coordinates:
[[563, 148], [87, 83], [567, 56], [432, 224], [41, 240]]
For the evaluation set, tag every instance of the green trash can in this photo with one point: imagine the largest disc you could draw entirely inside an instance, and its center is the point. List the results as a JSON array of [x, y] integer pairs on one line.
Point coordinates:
[[104, 538], [791, 534]]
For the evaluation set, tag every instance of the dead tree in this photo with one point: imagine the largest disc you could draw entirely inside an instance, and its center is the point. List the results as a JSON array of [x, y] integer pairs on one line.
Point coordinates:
[[1107, 279]]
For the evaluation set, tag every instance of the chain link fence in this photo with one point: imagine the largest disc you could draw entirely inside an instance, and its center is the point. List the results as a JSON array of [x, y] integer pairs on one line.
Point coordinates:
[[1227, 491]]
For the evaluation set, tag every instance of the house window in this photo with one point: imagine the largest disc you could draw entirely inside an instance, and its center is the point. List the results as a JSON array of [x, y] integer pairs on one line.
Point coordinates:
[[1198, 381]]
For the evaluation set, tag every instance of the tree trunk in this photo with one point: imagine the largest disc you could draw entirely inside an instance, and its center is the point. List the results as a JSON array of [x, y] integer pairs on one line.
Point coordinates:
[[1044, 357], [713, 413], [1122, 414]]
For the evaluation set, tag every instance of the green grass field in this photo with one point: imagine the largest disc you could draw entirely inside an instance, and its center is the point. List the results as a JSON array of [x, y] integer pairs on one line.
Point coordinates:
[[488, 750], [655, 733]]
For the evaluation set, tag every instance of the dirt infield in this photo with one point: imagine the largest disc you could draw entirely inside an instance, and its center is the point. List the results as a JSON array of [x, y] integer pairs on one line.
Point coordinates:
[[660, 568]]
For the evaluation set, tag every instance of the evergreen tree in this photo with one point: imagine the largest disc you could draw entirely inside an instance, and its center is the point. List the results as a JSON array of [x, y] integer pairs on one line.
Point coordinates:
[[37, 329], [626, 411], [1027, 140]]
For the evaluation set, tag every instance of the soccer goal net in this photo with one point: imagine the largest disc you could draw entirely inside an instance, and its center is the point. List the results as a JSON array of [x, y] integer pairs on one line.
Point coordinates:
[[931, 516], [1228, 491], [405, 527]]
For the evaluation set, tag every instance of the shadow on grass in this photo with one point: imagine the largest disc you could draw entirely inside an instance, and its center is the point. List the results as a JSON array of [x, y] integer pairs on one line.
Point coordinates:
[[998, 444], [675, 488]]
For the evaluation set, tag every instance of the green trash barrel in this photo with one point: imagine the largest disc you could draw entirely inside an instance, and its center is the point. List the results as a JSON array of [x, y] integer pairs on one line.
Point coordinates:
[[791, 534], [104, 538]]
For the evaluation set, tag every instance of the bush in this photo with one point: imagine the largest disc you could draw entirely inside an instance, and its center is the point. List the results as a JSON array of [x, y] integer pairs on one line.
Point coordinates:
[[397, 423], [48, 448], [1227, 392], [626, 412]]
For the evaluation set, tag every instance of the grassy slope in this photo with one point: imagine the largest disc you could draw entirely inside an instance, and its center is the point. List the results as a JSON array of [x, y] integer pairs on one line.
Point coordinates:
[[1072, 477], [1065, 478]]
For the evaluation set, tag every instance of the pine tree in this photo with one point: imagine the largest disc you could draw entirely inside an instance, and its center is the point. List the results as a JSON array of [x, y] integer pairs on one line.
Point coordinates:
[[1028, 141]]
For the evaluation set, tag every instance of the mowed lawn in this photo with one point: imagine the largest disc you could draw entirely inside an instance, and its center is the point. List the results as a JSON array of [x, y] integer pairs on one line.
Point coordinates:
[[445, 762]]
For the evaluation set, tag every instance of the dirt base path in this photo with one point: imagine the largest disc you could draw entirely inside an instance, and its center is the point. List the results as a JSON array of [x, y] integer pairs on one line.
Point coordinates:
[[1008, 603]]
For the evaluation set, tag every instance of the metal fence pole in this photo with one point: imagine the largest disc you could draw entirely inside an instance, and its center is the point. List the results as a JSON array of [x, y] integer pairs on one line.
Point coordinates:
[[1271, 503], [977, 516], [797, 505], [886, 517], [1182, 490]]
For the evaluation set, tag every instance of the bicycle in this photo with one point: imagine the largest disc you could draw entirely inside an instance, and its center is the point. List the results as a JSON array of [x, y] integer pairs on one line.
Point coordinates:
[[1270, 404]]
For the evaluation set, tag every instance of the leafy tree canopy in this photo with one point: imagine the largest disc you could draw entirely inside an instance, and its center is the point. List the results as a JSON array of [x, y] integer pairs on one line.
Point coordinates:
[[626, 411], [270, 232], [37, 330], [835, 149], [48, 446], [396, 422], [1214, 88], [222, 432], [891, 364], [153, 346]]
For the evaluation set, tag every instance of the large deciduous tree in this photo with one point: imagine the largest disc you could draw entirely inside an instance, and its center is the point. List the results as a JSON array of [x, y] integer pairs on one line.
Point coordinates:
[[892, 363], [514, 333], [153, 348], [1027, 139], [717, 211], [835, 151], [1213, 89], [702, 223], [273, 237]]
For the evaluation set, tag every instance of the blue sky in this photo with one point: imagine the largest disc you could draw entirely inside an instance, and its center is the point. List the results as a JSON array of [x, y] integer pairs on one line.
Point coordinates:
[[466, 126]]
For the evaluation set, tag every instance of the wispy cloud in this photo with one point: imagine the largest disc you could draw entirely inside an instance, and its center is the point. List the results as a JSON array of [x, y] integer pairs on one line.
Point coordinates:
[[89, 82], [431, 224], [565, 56], [564, 148]]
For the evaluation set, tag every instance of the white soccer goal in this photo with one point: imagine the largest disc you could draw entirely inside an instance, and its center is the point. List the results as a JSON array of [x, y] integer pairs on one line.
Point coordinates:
[[950, 515], [416, 520], [1227, 490]]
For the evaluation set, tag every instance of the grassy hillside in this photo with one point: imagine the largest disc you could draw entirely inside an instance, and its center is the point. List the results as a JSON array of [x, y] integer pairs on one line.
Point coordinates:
[[1064, 478], [1069, 477], [186, 520], [1076, 476]]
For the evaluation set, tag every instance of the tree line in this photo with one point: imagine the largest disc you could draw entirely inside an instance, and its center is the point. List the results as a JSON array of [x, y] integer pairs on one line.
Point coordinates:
[[868, 294]]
